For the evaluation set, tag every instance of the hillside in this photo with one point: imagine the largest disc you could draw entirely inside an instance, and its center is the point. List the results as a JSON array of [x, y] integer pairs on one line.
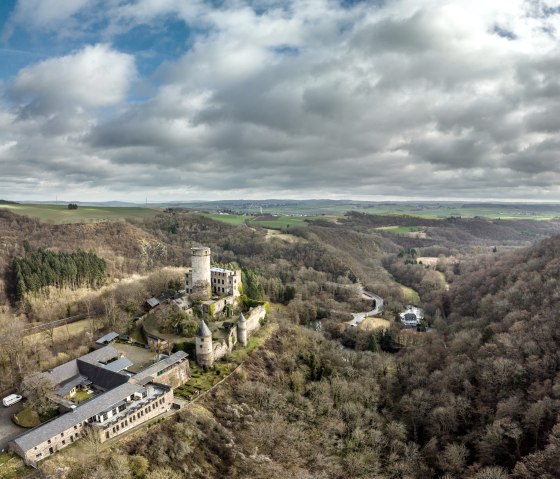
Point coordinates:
[[60, 214], [476, 397]]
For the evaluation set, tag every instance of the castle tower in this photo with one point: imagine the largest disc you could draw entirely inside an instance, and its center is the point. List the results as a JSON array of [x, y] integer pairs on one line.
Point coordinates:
[[201, 280], [204, 350], [242, 330]]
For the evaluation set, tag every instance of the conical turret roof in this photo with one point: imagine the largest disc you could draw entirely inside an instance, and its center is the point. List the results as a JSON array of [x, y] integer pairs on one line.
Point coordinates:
[[203, 331], [241, 319]]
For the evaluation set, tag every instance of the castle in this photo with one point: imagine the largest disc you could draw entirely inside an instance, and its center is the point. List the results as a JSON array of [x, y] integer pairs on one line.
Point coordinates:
[[213, 345], [200, 283]]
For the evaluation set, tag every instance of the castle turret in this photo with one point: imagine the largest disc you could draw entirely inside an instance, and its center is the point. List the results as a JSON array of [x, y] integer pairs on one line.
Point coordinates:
[[201, 279], [204, 350], [242, 330]]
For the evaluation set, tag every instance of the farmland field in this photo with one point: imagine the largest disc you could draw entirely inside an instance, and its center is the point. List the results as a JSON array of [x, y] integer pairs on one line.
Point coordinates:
[[226, 218], [60, 214], [265, 221], [423, 209]]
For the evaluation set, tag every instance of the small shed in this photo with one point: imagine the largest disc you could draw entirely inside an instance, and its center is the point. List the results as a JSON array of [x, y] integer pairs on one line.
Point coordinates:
[[108, 338], [152, 303]]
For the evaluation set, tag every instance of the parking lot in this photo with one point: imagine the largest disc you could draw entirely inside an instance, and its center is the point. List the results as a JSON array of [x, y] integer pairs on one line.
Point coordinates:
[[8, 430]]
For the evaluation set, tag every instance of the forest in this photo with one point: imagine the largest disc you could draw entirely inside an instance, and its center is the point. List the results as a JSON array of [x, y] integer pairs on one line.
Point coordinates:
[[45, 268], [477, 396]]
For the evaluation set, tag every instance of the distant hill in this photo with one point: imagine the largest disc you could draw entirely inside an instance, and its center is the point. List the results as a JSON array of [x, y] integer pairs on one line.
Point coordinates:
[[6, 202]]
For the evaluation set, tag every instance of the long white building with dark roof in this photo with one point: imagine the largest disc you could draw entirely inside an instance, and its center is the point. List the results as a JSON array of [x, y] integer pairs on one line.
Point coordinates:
[[128, 400]]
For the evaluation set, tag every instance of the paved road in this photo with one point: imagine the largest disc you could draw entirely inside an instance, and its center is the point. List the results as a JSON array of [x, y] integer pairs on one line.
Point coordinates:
[[8, 430], [359, 317]]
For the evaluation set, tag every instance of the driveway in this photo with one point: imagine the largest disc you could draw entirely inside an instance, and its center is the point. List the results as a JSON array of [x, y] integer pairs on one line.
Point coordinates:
[[8, 430], [359, 317]]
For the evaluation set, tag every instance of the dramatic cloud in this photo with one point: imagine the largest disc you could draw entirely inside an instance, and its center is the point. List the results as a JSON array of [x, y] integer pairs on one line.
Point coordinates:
[[303, 99], [94, 77]]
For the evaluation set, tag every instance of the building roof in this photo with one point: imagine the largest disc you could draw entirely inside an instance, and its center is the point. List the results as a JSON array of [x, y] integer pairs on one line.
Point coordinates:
[[222, 270], [203, 331], [65, 372], [152, 302], [107, 338], [160, 365], [118, 386], [102, 377], [118, 365], [241, 319], [65, 388], [82, 413]]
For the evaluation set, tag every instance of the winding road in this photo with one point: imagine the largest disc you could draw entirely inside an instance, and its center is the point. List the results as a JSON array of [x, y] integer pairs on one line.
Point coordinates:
[[378, 301]]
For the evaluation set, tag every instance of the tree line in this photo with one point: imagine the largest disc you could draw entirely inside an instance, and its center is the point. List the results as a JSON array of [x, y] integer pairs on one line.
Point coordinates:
[[46, 268]]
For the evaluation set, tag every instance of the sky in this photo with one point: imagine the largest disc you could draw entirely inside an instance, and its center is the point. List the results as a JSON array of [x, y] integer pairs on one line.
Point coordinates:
[[226, 99]]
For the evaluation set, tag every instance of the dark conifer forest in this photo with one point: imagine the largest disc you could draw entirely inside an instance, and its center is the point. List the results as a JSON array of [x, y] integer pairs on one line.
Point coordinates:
[[45, 268]]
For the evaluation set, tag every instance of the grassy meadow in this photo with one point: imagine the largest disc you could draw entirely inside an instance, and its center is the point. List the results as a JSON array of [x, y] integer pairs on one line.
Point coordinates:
[[60, 214]]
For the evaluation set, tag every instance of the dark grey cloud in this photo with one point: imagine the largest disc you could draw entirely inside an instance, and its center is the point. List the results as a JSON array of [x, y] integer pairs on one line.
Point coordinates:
[[411, 99]]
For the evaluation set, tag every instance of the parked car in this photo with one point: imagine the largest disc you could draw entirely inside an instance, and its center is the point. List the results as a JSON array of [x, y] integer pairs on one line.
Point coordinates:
[[11, 399]]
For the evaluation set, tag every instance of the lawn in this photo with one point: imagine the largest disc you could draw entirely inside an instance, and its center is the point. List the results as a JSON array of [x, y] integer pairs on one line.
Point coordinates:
[[81, 396], [60, 214], [410, 295], [229, 219], [12, 467], [373, 323], [63, 332], [27, 417], [202, 380]]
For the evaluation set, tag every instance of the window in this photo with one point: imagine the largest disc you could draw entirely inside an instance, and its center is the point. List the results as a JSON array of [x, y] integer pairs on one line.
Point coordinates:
[[76, 427], [49, 441], [107, 435], [63, 442]]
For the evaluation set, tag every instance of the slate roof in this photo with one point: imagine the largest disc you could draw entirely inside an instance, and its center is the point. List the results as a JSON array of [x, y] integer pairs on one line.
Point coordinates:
[[65, 372], [107, 338], [82, 413], [118, 390], [241, 319], [222, 270], [69, 385], [102, 377], [164, 363], [153, 302], [118, 365], [203, 331]]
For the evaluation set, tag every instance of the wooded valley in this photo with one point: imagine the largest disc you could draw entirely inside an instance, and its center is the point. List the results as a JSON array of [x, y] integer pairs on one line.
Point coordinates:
[[476, 395]]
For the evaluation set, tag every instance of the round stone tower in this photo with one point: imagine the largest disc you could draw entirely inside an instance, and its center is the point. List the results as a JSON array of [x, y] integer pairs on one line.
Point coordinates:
[[242, 330], [201, 281], [204, 350]]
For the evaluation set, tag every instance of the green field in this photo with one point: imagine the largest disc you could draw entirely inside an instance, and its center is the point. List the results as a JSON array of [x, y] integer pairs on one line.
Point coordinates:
[[424, 209], [410, 295], [229, 219], [60, 214], [270, 222]]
